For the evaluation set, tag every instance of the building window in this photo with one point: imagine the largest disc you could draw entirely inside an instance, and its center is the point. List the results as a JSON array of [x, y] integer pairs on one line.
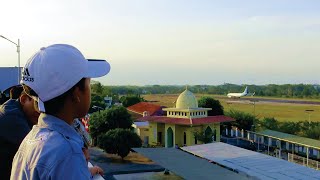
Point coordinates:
[[195, 140], [184, 138]]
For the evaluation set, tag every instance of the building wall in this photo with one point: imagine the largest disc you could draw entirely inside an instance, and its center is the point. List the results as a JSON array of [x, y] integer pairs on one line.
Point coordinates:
[[143, 132], [153, 133], [161, 128], [178, 133], [191, 140], [216, 127]]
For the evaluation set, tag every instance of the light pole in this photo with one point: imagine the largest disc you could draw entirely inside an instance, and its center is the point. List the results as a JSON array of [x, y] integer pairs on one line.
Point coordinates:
[[254, 105], [18, 51], [309, 113]]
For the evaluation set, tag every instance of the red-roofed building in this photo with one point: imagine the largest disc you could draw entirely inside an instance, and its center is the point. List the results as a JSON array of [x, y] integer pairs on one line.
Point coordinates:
[[179, 123], [145, 107]]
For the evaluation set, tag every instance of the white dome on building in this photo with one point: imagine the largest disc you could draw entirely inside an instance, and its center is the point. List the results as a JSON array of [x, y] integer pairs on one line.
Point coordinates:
[[186, 100]]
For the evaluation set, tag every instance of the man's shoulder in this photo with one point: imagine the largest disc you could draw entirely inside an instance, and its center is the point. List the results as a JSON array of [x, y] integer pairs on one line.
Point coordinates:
[[51, 140], [14, 125], [10, 108], [46, 148], [46, 152]]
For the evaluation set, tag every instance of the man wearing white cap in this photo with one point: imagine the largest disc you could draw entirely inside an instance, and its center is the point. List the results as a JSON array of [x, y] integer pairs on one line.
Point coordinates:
[[60, 76]]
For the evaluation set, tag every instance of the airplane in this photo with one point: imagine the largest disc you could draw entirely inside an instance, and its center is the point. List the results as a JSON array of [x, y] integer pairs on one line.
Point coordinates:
[[238, 95]]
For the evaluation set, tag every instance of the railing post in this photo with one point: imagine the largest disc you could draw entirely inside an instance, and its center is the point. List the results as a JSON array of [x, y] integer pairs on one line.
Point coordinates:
[[307, 156]]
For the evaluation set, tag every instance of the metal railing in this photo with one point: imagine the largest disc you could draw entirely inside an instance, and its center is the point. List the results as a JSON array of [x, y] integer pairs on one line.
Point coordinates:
[[303, 161], [271, 147]]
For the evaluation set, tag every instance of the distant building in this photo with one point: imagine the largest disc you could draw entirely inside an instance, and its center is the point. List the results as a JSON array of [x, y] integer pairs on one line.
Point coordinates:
[[8, 77], [179, 123], [108, 101], [142, 109]]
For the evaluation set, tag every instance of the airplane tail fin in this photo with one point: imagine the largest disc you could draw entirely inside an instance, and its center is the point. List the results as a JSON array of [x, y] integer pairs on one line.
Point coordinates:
[[246, 90]]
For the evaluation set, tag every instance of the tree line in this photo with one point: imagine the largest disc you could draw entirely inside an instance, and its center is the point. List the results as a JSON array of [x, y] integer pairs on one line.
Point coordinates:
[[270, 90]]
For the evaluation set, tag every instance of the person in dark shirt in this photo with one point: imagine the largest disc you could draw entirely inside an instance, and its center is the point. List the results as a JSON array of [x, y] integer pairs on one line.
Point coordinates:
[[15, 91], [3, 98], [17, 116]]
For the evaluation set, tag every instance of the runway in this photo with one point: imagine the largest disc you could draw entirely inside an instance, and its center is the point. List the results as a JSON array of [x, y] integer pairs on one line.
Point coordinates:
[[263, 100]]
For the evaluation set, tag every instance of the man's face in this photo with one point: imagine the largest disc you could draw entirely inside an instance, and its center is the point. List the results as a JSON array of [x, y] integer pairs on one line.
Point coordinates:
[[29, 108]]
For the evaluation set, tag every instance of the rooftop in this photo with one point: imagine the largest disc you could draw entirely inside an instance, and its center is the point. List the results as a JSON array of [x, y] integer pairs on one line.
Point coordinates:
[[152, 109], [187, 165], [252, 163], [291, 138]]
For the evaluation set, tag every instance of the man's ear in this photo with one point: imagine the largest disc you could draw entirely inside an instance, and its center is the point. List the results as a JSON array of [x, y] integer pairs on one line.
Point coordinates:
[[24, 98], [76, 95]]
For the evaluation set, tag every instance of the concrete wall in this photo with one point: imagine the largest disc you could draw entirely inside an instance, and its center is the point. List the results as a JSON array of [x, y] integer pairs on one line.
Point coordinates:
[[152, 133], [178, 133], [143, 132]]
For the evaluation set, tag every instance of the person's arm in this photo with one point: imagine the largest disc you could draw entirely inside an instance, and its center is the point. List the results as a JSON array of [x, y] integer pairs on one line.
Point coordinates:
[[96, 170]]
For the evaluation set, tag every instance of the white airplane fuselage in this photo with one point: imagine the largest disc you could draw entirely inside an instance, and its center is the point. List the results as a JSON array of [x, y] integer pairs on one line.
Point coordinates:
[[238, 95]]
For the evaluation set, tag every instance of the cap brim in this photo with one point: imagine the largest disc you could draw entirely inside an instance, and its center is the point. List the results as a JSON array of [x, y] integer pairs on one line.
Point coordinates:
[[97, 68]]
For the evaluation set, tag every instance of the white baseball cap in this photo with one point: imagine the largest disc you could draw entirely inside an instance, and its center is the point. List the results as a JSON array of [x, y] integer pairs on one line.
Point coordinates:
[[55, 69]]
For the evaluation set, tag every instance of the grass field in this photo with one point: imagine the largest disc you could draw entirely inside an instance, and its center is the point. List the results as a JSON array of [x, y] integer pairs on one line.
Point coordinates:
[[280, 111]]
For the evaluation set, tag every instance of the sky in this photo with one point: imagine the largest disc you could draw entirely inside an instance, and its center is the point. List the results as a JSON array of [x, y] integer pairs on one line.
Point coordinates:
[[174, 42]]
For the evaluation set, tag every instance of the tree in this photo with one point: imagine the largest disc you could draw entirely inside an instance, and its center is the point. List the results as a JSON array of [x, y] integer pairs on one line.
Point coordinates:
[[243, 120], [205, 137], [313, 133], [289, 127], [97, 88], [97, 124], [119, 141], [130, 100], [209, 102], [270, 123], [114, 117], [97, 100]]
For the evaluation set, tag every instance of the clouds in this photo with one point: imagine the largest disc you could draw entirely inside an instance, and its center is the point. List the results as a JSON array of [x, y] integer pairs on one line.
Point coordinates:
[[175, 42]]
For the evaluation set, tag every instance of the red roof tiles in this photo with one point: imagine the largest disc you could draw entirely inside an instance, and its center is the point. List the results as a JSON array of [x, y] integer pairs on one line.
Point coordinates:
[[139, 108]]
